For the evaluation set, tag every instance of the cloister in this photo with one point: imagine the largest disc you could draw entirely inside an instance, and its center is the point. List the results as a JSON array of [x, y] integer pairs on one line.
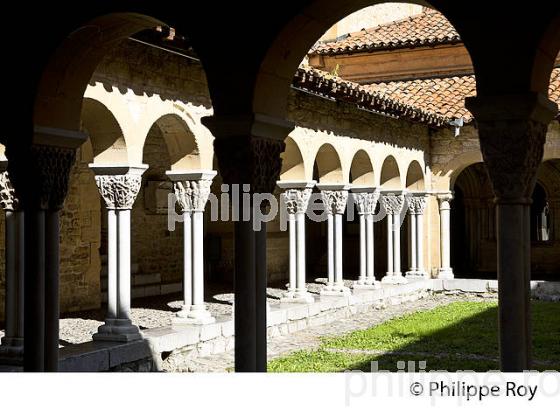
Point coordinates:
[[129, 118]]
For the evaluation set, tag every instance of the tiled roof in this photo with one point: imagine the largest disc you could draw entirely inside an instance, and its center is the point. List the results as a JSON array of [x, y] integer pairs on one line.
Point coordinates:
[[434, 101], [444, 96], [426, 29], [321, 83]]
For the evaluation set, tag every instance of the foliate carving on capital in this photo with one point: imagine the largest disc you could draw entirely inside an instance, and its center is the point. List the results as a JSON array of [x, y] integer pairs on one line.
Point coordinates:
[[335, 201], [296, 200], [192, 195], [416, 204], [119, 191], [366, 202], [250, 160], [512, 152], [8, 200], [393, 204]]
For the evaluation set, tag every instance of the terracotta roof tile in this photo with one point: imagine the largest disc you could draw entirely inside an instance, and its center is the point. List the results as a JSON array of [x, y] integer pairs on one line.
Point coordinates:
[[426, 29], [321, 83], [434, 101]]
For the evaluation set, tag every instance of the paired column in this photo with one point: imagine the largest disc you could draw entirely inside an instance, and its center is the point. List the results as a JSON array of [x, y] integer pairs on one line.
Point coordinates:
[[192, 190], [119, 187], [335, 198], [11, 349], [512, 131], [366, 201], [393, 203], [416, 205], [296, 199], [445, 271]]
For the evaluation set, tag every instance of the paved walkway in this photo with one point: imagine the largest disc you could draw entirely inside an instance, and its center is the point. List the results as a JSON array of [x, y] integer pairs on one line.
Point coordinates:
[[311, 338]]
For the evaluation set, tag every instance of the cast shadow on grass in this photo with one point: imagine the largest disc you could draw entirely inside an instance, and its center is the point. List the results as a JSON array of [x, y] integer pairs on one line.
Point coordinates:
[[457, 337]]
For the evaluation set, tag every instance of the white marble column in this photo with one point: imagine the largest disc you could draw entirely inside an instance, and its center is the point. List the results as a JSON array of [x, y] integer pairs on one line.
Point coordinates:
[[119, 187], [192, 189], [11, 349], [393, 202], [296, 199], [416, 206], [366, 201], [335, 197], [445, 271]]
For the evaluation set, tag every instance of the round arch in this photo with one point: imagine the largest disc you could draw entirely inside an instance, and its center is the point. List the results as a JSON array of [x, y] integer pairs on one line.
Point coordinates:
[[390, 174], [182, 144], [105, 133], [415, 177], [293, 164], [361, 169], [329, 165], [292, 44]]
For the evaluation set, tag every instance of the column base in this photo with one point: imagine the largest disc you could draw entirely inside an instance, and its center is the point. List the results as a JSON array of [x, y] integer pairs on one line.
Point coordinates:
[[336, 290], [11, 351], [195, 315], [297, 297], [366, 285], [394, 279], [117, 330], [445, 273], [417, 274]]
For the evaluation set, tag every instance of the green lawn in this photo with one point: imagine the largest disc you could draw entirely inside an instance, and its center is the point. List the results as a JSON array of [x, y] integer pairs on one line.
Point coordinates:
[[458, 336]]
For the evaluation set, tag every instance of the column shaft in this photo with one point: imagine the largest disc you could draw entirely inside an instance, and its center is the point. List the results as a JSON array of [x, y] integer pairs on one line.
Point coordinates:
[[112, 266], [390, 257], [330, 250], [293, 251], [397, 245], [412, 245], [370, 246], [52, 310], [338, 250], [187, 261], [198, 259], [123, 279], [363, 250], [261, 279], [300, 239], [420, 243]]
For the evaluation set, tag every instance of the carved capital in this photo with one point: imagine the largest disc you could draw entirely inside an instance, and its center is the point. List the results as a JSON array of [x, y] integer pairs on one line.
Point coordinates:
[[512, 132], [8, 200], [366, 202], [119, 191], [416, 204], [192, 195], [296, 199], [250, 160], [444, 200], [335, 200], [393, 203]]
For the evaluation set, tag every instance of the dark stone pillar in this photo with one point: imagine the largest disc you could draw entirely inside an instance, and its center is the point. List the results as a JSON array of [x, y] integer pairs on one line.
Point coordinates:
[[512, 132], [40, 176], [248, 151]]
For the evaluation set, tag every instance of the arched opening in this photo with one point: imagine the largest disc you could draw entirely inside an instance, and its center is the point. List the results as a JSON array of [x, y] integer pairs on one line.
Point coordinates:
[[361, 170], [390, 174], [293, 165], [182, 145], [105, 133], [415, 177], [329, 166], [473, 224]]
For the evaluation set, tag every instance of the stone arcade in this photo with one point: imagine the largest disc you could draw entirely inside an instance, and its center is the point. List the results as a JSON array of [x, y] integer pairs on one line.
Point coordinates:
[[123, 110]]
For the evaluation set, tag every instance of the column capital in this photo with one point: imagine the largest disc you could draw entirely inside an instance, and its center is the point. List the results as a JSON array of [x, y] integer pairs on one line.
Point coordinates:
[[416, 204], [192, 188], [335, 197], [444, 199], [118, 185], [366, 200], [296, 196], [512, 132], [8, 200], [392, 201]]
